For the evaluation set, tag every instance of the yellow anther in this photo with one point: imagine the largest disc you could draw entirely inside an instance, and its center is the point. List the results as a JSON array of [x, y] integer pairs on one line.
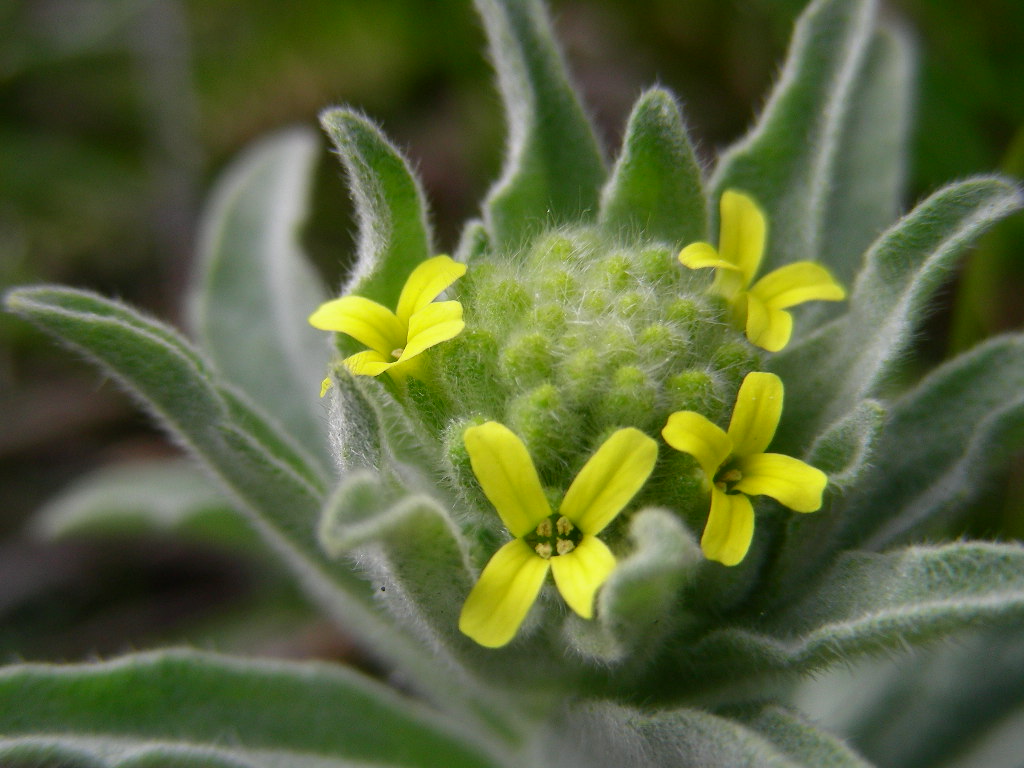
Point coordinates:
[[544, 549], [544, 529], [564, 526], [564, 546], [397, 353]]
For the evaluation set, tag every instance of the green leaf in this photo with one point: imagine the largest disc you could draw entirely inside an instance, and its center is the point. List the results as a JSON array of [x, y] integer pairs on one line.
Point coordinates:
[[767, 736], [854, 356], [864, 604], [303, 714], [946, 438], [394, 236], [254, 289], [274, 482], [869, 164], [655, 189], [788, 161], [638, 605], [553, 166], [162, 496], [932, 707]]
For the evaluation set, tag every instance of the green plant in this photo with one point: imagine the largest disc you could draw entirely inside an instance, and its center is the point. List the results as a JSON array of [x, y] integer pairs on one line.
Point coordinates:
[[573, 339]]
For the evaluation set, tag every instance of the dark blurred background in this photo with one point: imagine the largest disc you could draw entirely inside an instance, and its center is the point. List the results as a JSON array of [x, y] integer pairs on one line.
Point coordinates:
[[116, 115]]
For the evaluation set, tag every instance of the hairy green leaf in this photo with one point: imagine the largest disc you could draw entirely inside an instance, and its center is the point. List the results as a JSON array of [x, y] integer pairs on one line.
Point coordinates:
[[767, 736], [394, 236], [655, 189], [254, 289], [947, 437], [867, 603], [188, 700], [553, 166], [855, 355], [270, 479], [788, 161], [162, 496]]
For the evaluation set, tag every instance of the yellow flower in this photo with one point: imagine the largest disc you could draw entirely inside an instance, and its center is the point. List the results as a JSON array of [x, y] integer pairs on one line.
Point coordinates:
[[736, 466], [396, 338], [566, 541], [759, 309]]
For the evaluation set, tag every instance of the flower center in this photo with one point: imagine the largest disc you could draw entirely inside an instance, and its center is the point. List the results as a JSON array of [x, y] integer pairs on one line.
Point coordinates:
[[397, 353], [555, 535], [728, 477]]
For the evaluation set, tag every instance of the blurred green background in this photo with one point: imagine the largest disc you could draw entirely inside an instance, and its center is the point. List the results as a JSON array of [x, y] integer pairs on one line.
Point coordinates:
[[115, 116]]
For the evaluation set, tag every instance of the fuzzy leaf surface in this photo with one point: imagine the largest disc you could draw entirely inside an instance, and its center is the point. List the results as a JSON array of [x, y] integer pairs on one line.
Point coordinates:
[[788, 160], [190, 701], [855, 355], [163, 496], [947, 436], [655, 189], [768, 736], [274, 482], [394, 236], [870, 602], [254, 288], [554, 167]]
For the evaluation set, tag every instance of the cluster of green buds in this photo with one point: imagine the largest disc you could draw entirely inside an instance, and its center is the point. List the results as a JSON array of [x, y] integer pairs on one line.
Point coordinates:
[[584, 351]]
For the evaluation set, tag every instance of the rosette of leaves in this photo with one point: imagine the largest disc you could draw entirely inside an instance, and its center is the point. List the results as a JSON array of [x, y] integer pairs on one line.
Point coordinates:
[[366, 497]]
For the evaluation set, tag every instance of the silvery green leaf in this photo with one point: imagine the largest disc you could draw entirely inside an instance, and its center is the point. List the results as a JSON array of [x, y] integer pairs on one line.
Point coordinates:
[[356, 439], [394, 236], [788, 161], [655, 189], [638, 605], [553, 165], [473, 242], [946, 438], [161, 496], [188, 705], [274, 482], [766, 736], [940, 708], [254, 288], [863, 604], [855, 355]]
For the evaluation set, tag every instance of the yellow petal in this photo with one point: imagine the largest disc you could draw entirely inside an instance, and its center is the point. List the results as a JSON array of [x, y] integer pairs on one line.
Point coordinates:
[[609, 479], [789, 481], [364, 320], [756, 414], [702, 255], [506, 473], [796, 283], [325, 385], [730, 528], [368, 363], [766, 327], [742, 234], [692, 433], [500, 600], [426, 283], [580, 573], [436, 322]]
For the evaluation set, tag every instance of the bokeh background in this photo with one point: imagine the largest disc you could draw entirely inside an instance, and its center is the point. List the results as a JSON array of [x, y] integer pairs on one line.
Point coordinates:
[[116, 116]]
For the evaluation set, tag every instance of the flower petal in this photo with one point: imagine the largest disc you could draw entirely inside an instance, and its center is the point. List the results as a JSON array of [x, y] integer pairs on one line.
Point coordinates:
[[701, 255], [694, 434], [609, 479], [730, 528], [742, 234], [368, 363], [364, 320], [766, 327], [426, 283], [506, 473], [436, 322], [500, 600], [789, 481], [796, 283], [756, 413], [580, 573]]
